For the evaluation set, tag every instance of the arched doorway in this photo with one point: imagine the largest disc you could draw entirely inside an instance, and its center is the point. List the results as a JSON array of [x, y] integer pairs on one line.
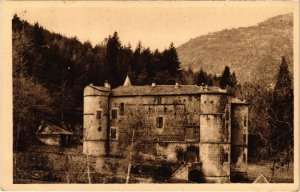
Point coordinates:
[[196, 176]]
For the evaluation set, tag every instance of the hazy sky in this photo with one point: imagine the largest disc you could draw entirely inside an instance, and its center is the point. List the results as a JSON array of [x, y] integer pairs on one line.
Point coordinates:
[[155, 26]]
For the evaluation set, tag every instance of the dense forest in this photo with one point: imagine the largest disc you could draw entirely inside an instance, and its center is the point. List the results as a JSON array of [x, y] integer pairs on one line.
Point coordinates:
[[50, 72]]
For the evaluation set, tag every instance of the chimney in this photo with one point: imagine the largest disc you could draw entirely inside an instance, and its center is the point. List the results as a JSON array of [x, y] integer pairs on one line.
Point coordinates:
[[153, 84], [176, 85], [106, 84]]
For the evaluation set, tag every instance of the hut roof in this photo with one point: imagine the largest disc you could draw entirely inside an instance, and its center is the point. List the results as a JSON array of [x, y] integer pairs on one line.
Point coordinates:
[[47, 128]]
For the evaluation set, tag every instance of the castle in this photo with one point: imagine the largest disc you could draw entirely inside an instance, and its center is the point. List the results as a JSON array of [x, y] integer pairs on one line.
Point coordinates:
[[203, 122]]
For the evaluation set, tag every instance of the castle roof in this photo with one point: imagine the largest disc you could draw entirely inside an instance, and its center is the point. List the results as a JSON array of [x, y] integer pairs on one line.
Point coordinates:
[[165, 90]]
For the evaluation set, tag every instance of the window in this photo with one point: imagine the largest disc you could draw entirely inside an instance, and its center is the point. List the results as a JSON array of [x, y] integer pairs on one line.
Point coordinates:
[[165, 109], [189, 133], [245, 121], [98, 114], [211, 101], [114, 113], [190, 98], [244, 139], [227, 115], [225, 158], [113, 133], [122, 109], [99, 129], [158, 100], [159, 122]]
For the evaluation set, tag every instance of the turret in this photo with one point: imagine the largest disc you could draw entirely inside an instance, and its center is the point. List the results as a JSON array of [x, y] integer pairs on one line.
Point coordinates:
[[95, 119], [239, 139], [214, 137]]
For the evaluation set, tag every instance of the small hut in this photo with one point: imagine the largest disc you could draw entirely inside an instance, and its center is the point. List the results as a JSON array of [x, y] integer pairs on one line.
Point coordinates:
[[51, 134]]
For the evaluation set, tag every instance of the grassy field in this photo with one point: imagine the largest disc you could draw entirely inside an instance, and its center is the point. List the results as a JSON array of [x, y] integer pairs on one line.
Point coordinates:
[[47, 165], [282, 174]]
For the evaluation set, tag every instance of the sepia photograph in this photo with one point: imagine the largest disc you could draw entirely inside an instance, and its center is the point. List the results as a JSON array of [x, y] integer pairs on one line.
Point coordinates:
[[156, 93]]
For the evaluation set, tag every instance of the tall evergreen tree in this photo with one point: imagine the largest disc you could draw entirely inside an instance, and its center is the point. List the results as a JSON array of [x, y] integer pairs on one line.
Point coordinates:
[[228, 79], [225, 78], [113, 48], [281, 112], [201, 78]]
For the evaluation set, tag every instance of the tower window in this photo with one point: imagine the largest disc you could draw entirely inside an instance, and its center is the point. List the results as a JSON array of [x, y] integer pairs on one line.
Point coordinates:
[[159, 122], [113, 133], [244, 157], [122, 109], [244, 139], [227, 115], [114, 113], [98, 114], [245, 121], [225, 158]]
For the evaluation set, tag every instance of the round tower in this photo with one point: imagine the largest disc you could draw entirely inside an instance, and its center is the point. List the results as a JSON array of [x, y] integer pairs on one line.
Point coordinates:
[[95, 120], [239, 140], [214, 138]]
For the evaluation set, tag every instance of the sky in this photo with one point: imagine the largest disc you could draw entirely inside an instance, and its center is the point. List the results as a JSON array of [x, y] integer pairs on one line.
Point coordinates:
[[155, 26]]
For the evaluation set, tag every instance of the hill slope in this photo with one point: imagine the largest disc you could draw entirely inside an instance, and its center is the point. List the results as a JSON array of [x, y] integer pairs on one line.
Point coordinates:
[[254, 53]]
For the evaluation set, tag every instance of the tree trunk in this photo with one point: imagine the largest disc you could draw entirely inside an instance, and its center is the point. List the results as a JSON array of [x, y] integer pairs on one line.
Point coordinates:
[[88, 169], [130, 158]]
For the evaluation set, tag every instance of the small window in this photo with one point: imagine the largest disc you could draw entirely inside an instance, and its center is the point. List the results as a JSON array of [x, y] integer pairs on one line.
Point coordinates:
[[227, 115], [113, 133], [244, 139], [158, 100], [204, 102], [211, 101], [122, 108], [114, 113], [165, 109], [225, 158], [99, 129], [245, 121], [98, 114], [159, 122], [226, 126]]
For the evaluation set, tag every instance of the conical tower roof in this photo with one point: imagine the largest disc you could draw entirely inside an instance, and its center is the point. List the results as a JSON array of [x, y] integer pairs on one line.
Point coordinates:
[[127, 81]]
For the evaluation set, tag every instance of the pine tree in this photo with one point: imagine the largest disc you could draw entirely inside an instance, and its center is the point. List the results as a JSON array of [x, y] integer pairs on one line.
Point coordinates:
[[281, 113], [202, 78], [225, 78], [228, 79], [113, 47]]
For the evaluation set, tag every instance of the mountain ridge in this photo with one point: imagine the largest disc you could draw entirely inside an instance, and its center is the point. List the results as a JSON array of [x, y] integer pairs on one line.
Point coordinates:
[[253, 52]]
